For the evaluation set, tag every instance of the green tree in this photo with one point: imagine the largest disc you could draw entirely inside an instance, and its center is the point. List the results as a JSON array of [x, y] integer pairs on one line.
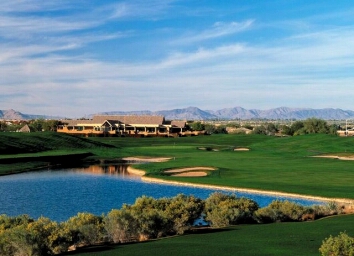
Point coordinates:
[[286, 130], [85, 228], [37, 125], [278, 211], [341, 245], [215, 129], [3, 126], [121, 226], [181, 211], [260, 130], [223, 210], [19, 241], [233, 125], [50, 125], [7, 222], [148, 217], [315, 125], [271, 129], [197, 126], [296, 127]]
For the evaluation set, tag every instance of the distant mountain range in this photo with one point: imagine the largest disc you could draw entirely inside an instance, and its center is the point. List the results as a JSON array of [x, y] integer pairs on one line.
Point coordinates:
[[11, 114], [194, 113]]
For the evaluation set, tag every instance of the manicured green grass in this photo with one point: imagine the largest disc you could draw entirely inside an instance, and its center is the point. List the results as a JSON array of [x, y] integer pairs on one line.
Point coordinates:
[[303, 238], [273, 163], [29, 151], [21, 143], [279, 164]]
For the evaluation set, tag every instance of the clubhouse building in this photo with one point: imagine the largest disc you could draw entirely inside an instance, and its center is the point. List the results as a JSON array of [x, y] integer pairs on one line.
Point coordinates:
[[126, 125]]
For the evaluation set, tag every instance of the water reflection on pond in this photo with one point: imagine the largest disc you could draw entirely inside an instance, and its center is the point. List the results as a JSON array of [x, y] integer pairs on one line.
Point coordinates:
[[60, 194], [116, 170]]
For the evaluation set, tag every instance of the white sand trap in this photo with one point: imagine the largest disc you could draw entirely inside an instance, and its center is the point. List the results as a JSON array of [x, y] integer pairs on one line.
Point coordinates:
[[147, 159], [190, 174], [350, 158], [190, 169], [241, 149]]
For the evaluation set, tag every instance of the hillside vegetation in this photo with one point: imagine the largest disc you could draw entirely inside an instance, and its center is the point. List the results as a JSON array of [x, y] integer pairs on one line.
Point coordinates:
[[21, 152], [19, 143]]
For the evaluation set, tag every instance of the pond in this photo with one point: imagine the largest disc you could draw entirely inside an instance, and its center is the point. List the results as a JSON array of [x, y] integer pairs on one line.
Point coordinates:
[[61, 194]]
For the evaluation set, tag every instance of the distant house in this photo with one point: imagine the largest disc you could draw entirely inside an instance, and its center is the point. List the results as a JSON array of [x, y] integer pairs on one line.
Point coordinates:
[[125, 125], [25, 128]]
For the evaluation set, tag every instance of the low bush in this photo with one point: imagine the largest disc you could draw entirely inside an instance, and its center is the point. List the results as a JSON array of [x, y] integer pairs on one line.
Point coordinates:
[[147, 218], [223, 210], [341, 245], [279, 211]]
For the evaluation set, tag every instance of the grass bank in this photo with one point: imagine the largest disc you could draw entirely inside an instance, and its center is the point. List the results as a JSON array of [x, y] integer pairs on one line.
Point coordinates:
[[289, 239], [21, 152]]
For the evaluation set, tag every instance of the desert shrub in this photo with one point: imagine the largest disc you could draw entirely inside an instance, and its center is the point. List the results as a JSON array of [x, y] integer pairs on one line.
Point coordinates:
[[7, 222], [148, 217], [328, 209], [268, 215], [19, 241], [26, 236], [223, 210], [181, 211], [50, 236], [278, 211], [120, 226], [341, 245], [85, 228]]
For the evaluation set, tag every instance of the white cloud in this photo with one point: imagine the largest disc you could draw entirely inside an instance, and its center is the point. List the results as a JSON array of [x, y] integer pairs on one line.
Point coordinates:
[[139, 8], [219, 29], [36, 5], [39, 66]]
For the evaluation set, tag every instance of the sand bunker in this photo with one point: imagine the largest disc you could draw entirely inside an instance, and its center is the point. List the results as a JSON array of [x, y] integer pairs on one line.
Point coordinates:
[[350, 158], [146, 159], [190, 171], [190, 174], [241, 149]]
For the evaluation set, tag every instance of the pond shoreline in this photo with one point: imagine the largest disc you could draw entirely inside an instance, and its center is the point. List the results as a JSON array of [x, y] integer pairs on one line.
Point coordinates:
[[347, 203]]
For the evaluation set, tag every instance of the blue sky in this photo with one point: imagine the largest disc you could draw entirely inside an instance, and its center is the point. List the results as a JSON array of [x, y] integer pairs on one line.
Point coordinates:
[[74, 57]]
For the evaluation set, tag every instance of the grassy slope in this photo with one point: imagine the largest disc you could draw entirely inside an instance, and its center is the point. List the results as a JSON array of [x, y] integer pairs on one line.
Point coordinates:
[[17, 147], [281, 164], [20, 143], [273, 239]]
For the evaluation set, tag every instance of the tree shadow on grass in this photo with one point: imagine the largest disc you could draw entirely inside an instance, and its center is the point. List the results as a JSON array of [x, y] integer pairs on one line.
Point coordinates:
[[208, 230], [91, 249], [108, 247]]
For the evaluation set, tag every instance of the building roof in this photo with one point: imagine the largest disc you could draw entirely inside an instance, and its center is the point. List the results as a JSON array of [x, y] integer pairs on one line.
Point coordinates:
[[116, 119], [180, 124], [76, 122], [130, 119], [25, 128]]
